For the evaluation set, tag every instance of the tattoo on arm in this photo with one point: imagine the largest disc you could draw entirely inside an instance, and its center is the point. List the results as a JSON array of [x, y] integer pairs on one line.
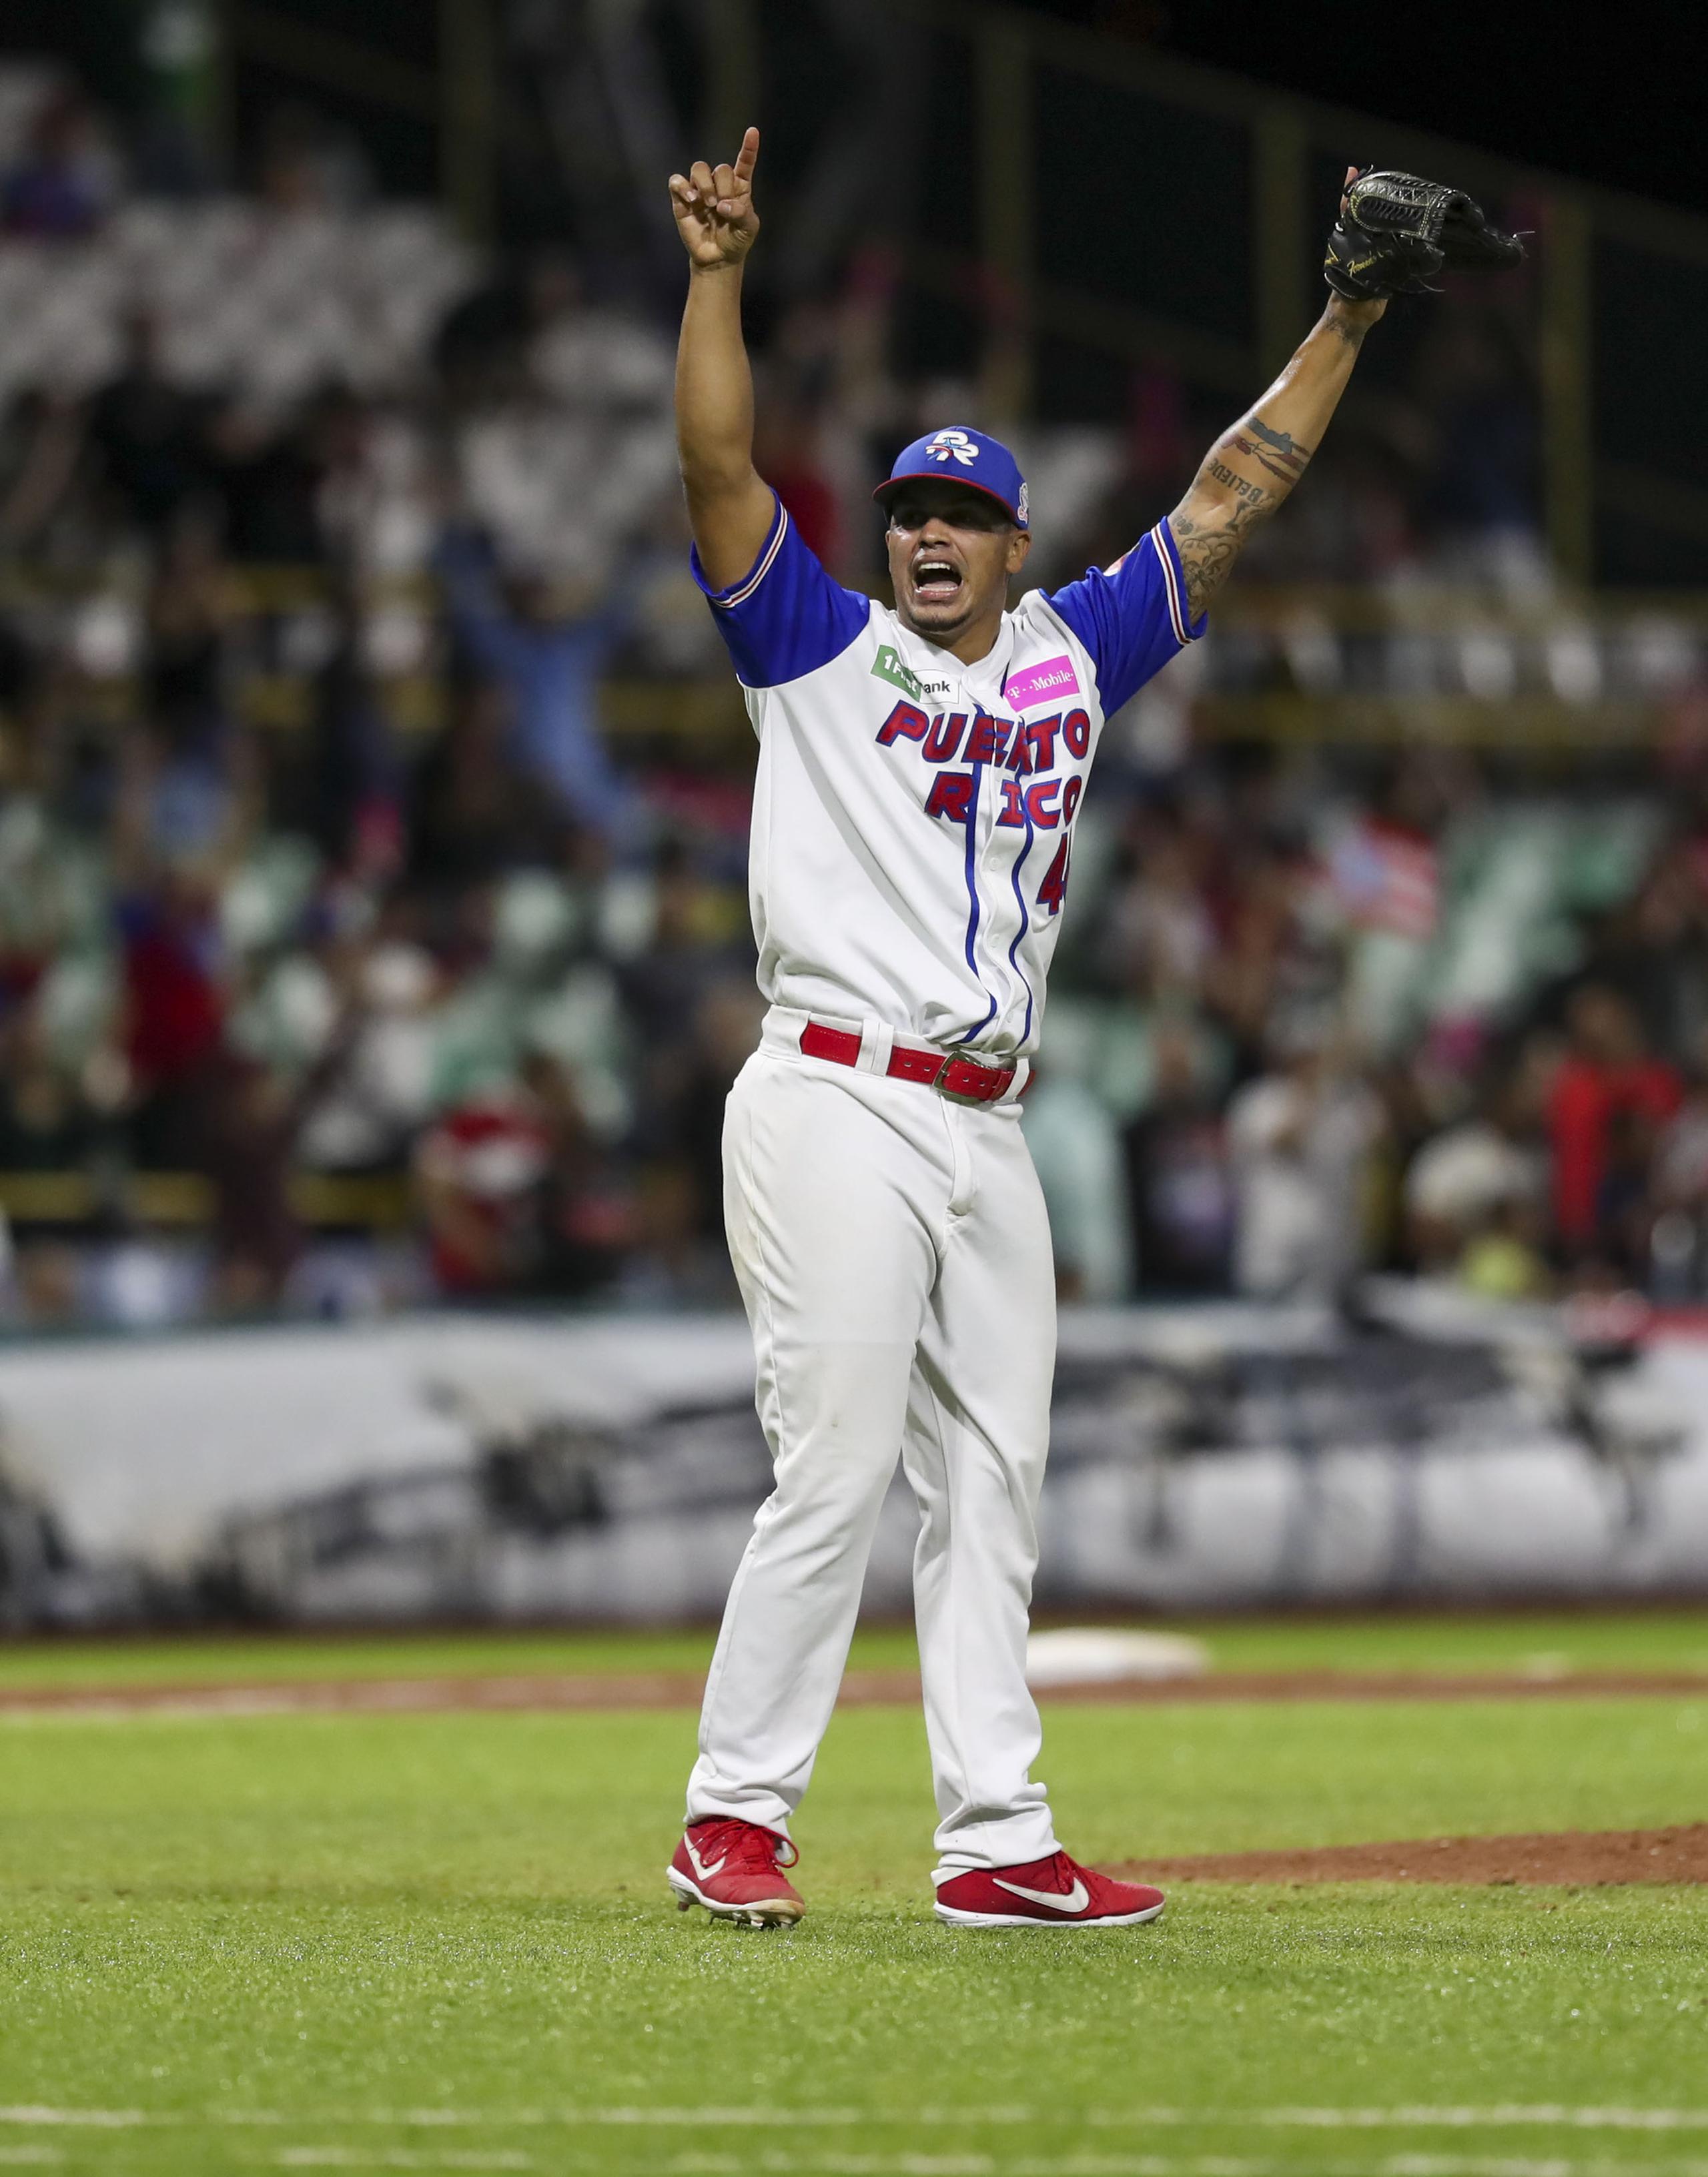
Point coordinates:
[[1278, 451], [1349, 330], [1210, 531], [1208, 549], [1211, 524], [1241, 486]]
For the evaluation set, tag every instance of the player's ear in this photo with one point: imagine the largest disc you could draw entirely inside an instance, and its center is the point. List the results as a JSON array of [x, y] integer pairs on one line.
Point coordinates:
[[1019, 545]]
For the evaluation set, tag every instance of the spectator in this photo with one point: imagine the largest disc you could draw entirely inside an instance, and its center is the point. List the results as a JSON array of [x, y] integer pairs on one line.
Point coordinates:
[[62, 187], [1678, 1194], [726, 1033], [1159, 935], [1654, 949], [247, 1138], [144, 431], [354, 784], [1075, 1146], [266, 473], [1268, 955], [1487, 1173], [588, 1221], [483, 1172], [786, 453], [1299, 1138], [367, 1109], [548, 660], [184, 680], [517, 1195], [475, 811], [174, 1006], [1179, 1185], [697, 943], [1501, 1260], [1610, 1098], [45, 1124]]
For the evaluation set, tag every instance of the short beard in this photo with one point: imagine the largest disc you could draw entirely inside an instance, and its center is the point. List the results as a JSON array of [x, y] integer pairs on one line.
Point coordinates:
[[935, 629], [966, 608]]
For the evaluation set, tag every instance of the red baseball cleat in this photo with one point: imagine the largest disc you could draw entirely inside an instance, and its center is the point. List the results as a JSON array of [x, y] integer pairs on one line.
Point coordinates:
[[1056, 1893], [734, 1870]]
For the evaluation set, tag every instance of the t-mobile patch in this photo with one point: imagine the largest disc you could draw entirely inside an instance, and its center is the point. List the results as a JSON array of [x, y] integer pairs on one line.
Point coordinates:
[[1043, 683]]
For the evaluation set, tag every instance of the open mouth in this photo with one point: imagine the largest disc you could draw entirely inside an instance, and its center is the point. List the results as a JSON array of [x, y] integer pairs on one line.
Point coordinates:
[[935, 581]]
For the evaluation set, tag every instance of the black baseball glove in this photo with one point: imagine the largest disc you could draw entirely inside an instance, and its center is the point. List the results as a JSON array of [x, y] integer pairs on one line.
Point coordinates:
[[1397, 231]]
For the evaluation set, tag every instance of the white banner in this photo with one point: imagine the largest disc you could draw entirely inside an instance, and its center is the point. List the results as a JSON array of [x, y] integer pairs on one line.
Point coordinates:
[[609, 1468]]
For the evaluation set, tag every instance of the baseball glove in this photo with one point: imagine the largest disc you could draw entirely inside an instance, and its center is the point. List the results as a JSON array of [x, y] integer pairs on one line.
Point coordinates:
[[1397, 231]]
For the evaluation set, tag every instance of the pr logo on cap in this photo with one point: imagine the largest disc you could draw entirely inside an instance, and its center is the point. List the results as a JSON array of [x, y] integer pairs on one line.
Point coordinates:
[[953, 444], [966, 458]]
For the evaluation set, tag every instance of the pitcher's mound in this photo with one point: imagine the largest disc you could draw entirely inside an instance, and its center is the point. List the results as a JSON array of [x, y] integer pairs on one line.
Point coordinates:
[[1563, 1856]]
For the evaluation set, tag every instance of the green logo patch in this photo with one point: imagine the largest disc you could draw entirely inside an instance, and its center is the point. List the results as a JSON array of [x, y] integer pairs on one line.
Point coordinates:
[[887, 666]]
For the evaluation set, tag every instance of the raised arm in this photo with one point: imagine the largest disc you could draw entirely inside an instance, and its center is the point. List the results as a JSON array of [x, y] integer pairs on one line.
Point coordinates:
[[729, 507], [1396, 232], [1252, 468]]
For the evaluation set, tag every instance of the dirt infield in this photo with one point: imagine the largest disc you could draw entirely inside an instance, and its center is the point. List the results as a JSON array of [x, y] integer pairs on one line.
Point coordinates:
[[1577, 1858], [594, 1690]]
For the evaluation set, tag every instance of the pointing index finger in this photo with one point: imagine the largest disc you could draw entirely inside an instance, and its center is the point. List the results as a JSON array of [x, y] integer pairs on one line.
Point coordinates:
[[747, 158]]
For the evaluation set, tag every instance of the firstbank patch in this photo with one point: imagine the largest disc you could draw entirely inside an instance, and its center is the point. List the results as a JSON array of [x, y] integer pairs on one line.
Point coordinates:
[[888, 665]]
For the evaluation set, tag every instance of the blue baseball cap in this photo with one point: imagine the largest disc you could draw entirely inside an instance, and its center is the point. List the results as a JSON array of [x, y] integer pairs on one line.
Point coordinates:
[[960, 456]]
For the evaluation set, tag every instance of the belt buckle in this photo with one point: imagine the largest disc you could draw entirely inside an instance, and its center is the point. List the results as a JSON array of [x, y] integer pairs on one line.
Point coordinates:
[[956, 1095]]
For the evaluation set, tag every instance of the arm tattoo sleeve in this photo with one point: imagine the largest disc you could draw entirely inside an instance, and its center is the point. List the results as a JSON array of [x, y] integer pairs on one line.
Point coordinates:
[[1252, 468], [1241, 486], [1208, 549], [1211, 525], [1277, 451]]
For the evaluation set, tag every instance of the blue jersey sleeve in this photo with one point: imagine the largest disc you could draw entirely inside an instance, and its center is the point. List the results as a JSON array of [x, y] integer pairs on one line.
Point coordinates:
[[785, 616], [1132, 617]]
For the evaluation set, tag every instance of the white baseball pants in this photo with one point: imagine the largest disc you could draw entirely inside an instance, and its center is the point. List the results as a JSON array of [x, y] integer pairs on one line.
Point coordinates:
[[893, 1254]]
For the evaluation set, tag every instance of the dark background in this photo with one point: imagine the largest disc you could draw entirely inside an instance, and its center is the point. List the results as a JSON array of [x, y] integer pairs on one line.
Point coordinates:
[[1612, 96], [1598, 98]]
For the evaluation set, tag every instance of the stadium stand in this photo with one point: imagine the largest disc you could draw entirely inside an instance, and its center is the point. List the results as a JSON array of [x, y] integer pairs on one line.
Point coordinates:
[[373, 797]]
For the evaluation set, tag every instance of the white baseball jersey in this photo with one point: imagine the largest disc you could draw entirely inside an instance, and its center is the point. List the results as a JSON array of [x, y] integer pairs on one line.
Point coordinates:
[[913, 817]]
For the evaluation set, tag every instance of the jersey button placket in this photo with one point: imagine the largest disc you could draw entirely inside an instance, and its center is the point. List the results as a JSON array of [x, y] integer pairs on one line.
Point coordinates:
[[996, 896], [978, 906]]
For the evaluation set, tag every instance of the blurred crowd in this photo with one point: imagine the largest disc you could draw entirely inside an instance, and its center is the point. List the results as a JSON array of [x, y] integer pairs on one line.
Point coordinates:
[[373, 928], [1397, 1015]]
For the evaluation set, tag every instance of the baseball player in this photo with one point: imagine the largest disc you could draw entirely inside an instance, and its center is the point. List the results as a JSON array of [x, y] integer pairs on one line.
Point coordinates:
[[919, 772]]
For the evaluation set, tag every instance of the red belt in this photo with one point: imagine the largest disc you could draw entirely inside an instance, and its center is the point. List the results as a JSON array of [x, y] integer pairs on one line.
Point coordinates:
[[964, 1079]]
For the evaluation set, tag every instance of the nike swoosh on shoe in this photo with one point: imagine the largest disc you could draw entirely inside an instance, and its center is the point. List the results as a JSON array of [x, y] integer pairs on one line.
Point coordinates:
[[704, 1869], [1055, 1901]]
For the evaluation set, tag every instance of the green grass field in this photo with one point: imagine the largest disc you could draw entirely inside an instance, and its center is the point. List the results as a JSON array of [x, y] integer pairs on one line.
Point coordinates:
[[443, 1942], [1661, 1639]]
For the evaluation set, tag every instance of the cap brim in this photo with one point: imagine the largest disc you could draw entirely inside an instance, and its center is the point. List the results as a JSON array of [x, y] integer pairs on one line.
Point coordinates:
[[936, 475]]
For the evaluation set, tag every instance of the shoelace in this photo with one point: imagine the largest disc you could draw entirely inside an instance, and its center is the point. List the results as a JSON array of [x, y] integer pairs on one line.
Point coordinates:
[[748, 1847], [1065, 1873]]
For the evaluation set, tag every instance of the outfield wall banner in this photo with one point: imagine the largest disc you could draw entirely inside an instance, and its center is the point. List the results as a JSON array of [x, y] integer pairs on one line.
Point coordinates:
[[1213, 1457]]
